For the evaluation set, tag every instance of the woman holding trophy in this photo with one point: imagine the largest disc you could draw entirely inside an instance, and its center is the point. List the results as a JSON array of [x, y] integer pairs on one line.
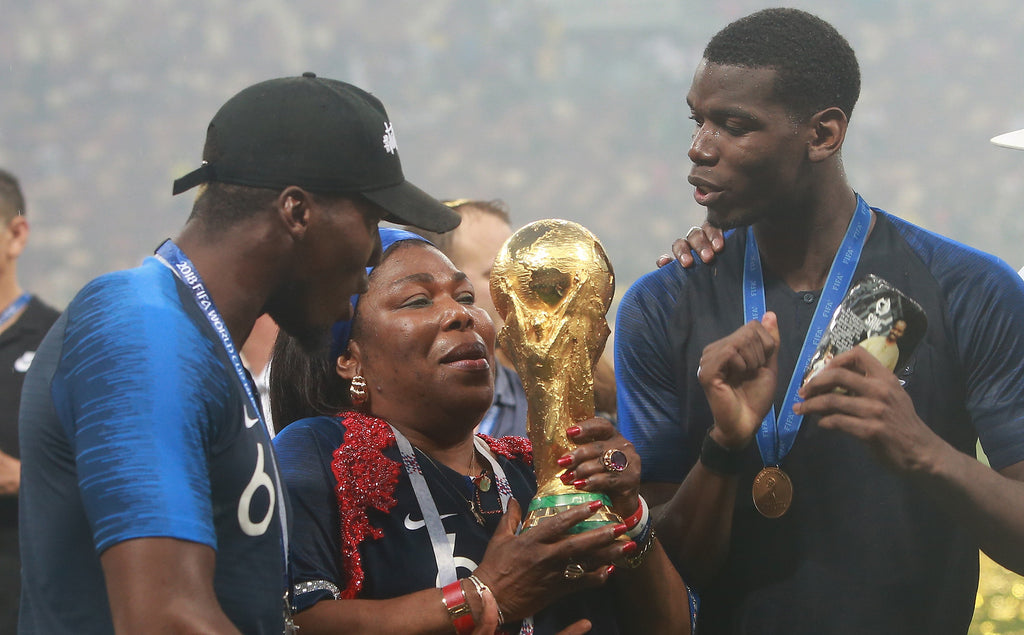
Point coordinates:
[[404, 521]]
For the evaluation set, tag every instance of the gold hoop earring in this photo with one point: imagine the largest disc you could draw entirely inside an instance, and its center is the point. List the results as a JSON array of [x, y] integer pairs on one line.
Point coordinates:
[[357, 390]]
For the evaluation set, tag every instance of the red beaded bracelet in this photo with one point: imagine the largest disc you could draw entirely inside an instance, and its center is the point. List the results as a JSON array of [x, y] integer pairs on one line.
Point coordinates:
[[455, 602], [631, 521]]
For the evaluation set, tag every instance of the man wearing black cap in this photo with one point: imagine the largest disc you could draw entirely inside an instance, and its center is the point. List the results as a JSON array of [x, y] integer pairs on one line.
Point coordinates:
[[150, 498]]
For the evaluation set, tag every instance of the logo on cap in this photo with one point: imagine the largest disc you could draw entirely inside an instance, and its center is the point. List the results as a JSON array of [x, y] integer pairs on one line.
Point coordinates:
[[390, 143]]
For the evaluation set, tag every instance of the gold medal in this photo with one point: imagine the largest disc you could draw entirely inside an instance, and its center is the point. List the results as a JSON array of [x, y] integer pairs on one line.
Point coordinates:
[[773, 492]]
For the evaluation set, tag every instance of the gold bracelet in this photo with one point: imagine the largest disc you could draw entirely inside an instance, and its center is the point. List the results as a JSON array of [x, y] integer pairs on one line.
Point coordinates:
[[637, 559], [479, 585]]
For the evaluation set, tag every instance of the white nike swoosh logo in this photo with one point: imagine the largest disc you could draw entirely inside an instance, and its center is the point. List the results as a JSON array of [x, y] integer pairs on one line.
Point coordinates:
[[249, 421], [413, 525]]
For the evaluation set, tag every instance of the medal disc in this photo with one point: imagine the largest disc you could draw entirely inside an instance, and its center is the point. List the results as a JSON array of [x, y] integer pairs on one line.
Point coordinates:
[[773, 492]]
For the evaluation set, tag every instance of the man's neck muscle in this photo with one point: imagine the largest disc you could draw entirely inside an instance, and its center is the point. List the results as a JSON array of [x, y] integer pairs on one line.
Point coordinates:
[[238, 269], [799, 248]]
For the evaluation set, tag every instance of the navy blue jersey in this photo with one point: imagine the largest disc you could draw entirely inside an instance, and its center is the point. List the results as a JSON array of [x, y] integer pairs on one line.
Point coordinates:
[[134, 425], [370, 540], [861, 550]]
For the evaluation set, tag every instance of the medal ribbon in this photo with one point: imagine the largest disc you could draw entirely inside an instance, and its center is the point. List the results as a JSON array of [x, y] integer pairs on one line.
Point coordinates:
[[173, 258], [775, 438], [12, 308]]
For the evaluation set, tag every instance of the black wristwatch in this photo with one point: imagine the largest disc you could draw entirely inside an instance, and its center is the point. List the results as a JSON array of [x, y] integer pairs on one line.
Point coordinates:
[[720, 459]]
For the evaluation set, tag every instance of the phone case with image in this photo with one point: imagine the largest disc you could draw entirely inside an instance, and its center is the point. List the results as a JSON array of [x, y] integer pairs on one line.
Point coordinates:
[[877, 316]]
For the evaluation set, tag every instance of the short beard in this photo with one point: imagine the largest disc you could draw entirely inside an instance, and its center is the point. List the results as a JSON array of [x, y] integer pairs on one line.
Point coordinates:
[[288, 314], [727, 223]]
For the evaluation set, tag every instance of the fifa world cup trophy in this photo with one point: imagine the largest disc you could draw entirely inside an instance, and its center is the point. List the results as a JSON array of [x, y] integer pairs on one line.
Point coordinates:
[[553, 285]]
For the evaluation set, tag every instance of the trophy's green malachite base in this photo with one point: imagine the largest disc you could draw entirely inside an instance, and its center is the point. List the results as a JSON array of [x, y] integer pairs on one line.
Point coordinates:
[[547, 506]]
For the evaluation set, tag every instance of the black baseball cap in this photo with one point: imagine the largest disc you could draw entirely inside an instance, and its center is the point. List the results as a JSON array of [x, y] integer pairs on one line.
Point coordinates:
[[319, 134]]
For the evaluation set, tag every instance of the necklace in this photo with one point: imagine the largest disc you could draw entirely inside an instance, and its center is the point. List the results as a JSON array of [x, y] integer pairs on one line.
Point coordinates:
[[481, 482], [443, 552]]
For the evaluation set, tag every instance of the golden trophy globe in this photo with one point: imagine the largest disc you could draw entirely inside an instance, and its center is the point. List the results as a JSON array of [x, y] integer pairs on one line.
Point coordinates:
[[553, 284]]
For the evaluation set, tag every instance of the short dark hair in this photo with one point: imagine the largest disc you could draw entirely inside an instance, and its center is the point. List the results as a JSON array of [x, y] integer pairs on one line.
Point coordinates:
[[495, 207], [12, 202], [221, 205], [816, 66]]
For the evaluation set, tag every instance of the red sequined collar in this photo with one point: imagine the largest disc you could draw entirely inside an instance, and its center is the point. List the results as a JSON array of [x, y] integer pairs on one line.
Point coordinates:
[[512, 448], [365, 478]]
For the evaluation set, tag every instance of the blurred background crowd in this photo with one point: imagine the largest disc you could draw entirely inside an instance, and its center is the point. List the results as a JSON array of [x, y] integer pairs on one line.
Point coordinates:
[[563, 108]]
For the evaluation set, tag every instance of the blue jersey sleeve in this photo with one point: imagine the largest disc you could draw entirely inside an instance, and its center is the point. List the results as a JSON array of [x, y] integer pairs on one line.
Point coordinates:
[[985, 301], [131, 391], [304, 452], [989, 312], [648, 403]]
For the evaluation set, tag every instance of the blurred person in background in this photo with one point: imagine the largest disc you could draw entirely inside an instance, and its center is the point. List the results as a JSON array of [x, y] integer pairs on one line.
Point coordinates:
[[886, 505], [150, 496], [24, 320], [472, 248]]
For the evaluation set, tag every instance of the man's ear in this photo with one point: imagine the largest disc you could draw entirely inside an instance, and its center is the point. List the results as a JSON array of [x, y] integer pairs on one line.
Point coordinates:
[[294, 205], [829, 131], [18, 226], [349, 363]]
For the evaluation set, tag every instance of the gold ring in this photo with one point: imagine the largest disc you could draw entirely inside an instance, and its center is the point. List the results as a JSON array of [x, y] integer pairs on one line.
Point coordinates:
[[614, 461], [573, 571]]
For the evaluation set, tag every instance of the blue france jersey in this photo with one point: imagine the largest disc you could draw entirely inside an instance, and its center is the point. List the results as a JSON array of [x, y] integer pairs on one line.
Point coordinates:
[[133, 425], [862, 549]]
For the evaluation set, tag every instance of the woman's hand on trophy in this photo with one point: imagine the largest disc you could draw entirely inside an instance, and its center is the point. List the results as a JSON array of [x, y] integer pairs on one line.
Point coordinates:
[[603, 461], [528, 571]]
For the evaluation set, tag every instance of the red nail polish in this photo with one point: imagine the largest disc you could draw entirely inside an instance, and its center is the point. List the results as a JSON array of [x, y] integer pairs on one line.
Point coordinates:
[[628, 548], [611, 569], [621, 529], [567, 477], [565, 461], [573, 431], [579, 484], [594, 505]]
